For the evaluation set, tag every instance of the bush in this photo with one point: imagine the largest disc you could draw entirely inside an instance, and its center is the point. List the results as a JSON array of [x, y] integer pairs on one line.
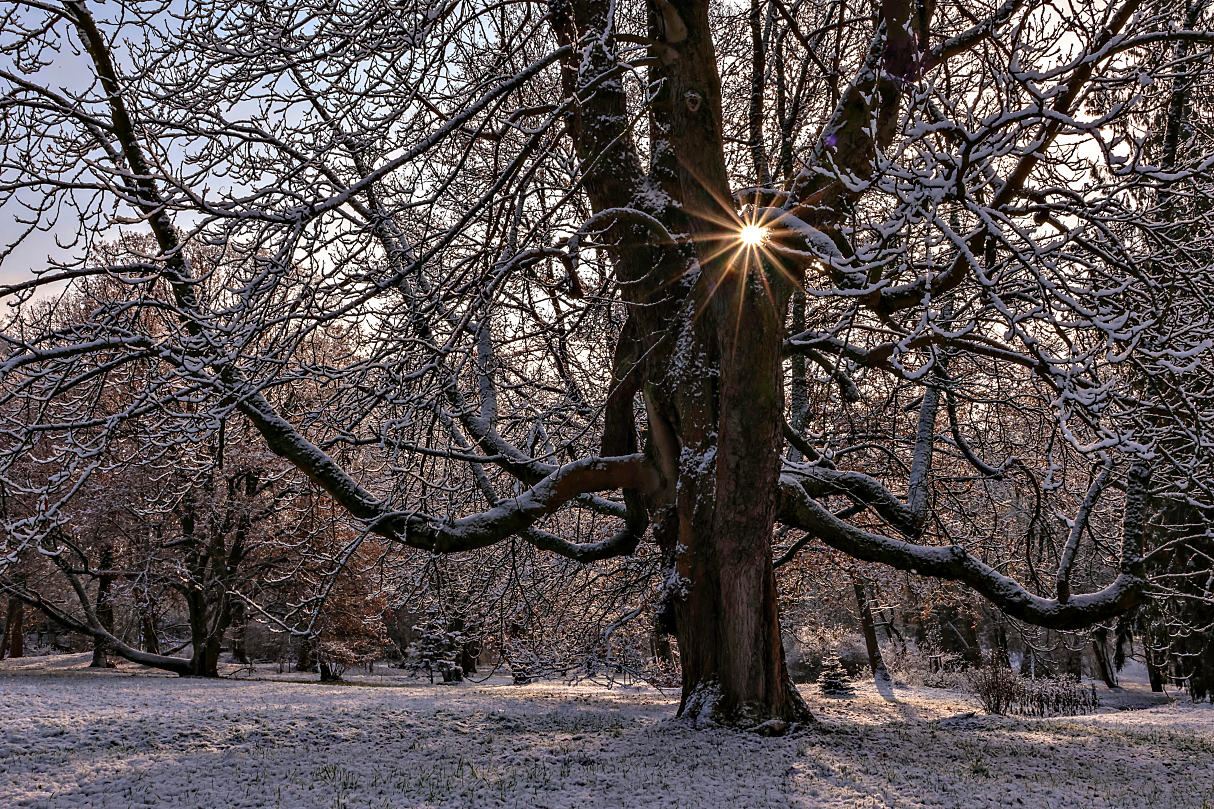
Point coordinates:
[[996, 687], [1056, 696], [1001, 691]]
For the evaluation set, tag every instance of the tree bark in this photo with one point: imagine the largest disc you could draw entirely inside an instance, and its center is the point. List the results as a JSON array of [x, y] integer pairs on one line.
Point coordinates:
[[868, 626], [1154, 673], [719, 412], [151, 639], [105, 612], [14, 630], [1103, 655]]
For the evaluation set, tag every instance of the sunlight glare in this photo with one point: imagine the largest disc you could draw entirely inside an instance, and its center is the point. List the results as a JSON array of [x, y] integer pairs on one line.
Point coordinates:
[[753, 235]]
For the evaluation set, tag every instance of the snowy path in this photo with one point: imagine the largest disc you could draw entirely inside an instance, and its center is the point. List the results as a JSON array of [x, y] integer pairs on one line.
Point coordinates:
[[73, 738]]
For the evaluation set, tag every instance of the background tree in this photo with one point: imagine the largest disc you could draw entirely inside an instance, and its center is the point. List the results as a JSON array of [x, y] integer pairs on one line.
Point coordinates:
[[1176, 624]]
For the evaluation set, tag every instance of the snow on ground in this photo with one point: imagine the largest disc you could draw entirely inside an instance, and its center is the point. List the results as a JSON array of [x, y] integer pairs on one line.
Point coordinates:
[[70, 737]]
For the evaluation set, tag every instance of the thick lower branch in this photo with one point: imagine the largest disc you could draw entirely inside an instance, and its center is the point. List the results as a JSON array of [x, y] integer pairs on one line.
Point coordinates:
[[518, 515], [954, 563]]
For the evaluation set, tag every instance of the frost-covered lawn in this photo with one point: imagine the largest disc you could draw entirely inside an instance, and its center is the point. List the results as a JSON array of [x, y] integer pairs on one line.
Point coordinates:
[[72, 737]]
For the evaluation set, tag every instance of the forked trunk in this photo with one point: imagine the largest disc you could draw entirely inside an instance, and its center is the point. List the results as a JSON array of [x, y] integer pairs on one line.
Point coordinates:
[[710, 357], [723, 404]]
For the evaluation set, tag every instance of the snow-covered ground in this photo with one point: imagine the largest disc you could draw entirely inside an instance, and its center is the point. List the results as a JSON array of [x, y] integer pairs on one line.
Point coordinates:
[[128, 738]]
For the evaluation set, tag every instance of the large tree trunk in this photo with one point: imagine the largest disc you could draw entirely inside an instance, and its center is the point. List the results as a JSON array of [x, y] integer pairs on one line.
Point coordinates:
[[717, 413], [731, 652], [729, 438], [729, 639], [703, 347]]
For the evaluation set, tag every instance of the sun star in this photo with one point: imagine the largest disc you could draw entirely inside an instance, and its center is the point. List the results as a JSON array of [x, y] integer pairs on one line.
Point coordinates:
[[752, 235]]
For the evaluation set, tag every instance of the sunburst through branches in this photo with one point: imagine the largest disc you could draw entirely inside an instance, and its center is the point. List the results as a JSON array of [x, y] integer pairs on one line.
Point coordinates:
[[752, 235]]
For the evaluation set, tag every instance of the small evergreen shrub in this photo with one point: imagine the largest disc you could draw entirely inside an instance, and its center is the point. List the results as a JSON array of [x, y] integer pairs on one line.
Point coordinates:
[[834, 679]]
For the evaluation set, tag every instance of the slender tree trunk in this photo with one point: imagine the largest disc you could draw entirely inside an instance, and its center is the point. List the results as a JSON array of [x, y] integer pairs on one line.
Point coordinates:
[[875, 661], [240, 621], [105, 612], [1154, 673], [1156, 678], [14, 630], [151, 639], [1104, 663]]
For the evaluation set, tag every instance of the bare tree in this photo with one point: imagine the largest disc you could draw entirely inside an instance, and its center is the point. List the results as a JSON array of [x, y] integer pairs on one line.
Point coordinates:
[[560, 242]]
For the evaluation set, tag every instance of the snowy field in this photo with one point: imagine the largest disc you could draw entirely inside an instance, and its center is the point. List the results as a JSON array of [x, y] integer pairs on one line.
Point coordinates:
[[71, 737]]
